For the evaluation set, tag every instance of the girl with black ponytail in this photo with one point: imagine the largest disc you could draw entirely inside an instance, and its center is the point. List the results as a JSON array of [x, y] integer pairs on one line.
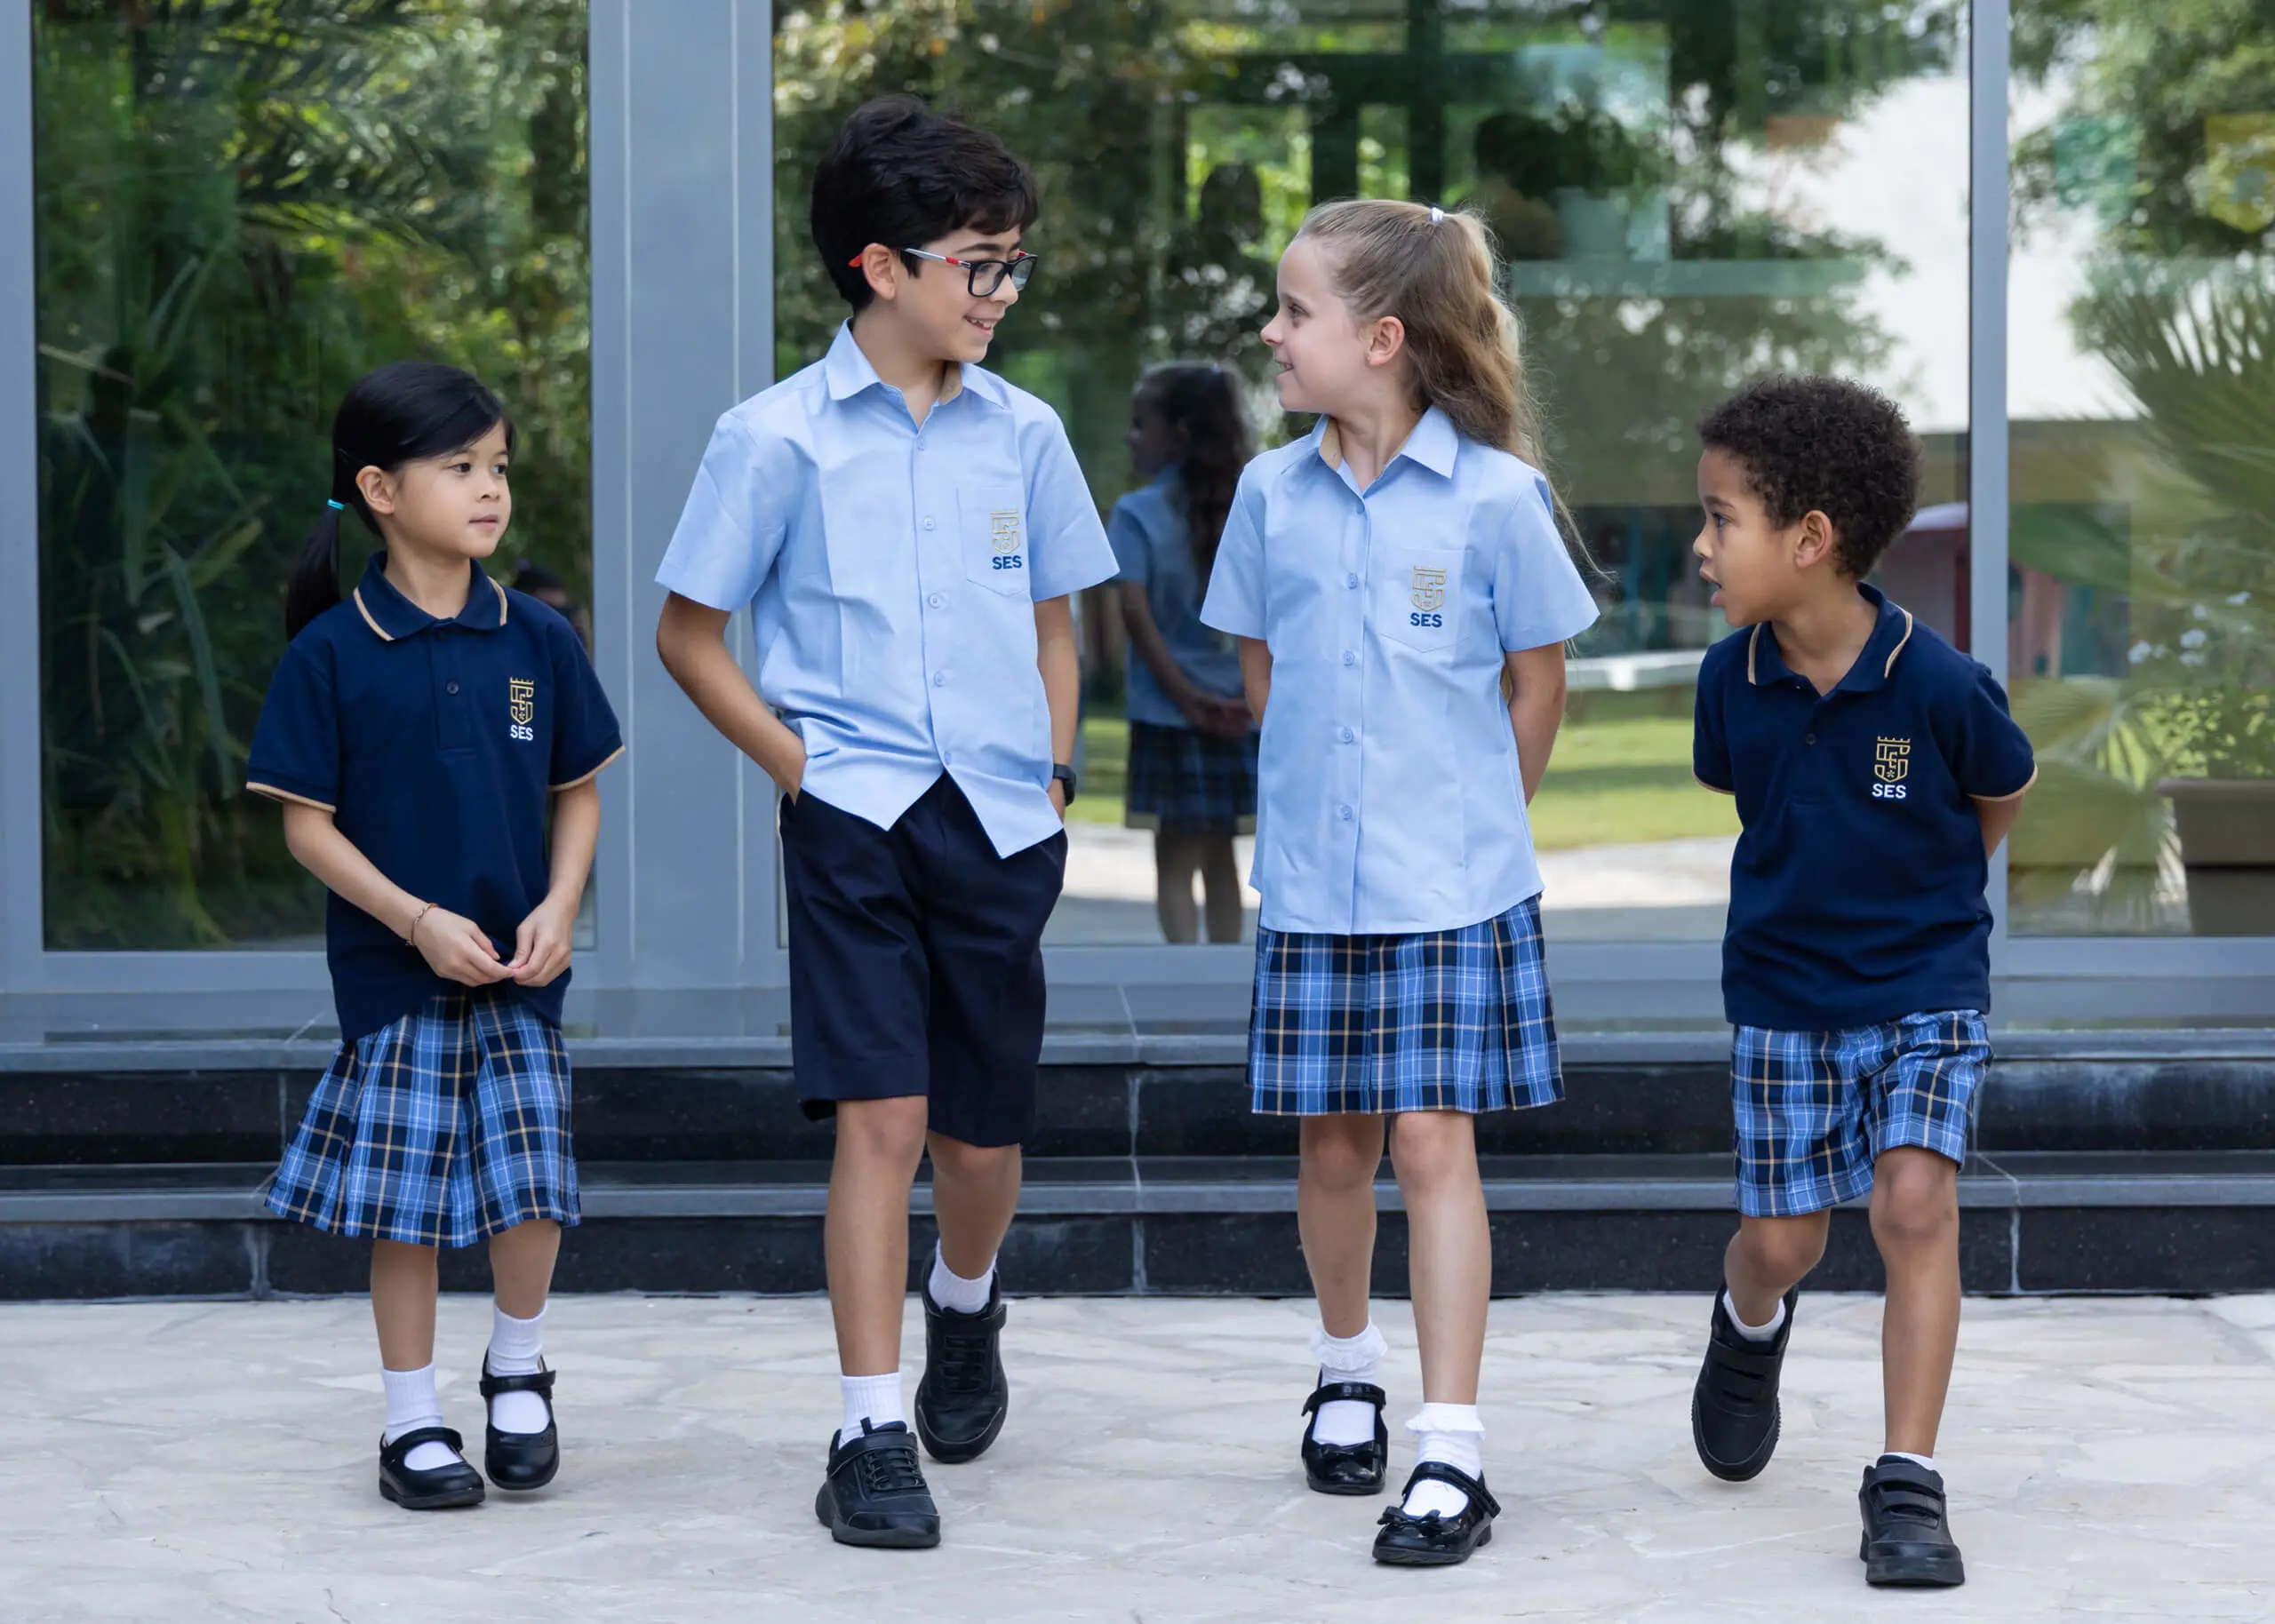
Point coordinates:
[[1192, 744], [418, 735]]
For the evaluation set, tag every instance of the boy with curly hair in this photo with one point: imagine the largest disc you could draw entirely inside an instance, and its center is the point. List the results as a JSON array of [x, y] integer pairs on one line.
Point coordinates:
[[1876, 770]]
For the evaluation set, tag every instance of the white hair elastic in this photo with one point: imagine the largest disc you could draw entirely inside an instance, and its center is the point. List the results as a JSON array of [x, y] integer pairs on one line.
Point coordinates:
[[1436, 214]]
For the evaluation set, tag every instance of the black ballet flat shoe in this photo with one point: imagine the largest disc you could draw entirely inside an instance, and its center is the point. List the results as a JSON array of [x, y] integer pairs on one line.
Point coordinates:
[[964, 1394], [1437, 1540], [439, 1488], [1734, 1413], [519, 1461], [1907, 1532], [1346, 1469], [874, 1491]]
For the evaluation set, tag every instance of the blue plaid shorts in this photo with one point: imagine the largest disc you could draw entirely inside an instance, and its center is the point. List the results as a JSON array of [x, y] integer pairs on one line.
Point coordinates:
[[447, 1126], [1440, 1020], [1815, 1110]]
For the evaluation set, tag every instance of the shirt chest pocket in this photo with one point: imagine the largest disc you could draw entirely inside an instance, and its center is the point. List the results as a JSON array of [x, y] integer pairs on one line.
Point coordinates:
[[995, 537], [1417, 596]]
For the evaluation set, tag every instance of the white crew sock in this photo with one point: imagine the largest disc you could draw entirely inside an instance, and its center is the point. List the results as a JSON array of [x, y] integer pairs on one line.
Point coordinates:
[[874, 1399], [412, 1403], [1898, 1454], [1347, 1358], [1756, 1334], [954, 1293], [1452, 1434], [514, 1346]]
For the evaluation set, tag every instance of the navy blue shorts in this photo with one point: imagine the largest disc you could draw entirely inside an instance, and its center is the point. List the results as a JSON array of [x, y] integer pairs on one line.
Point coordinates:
[[916, 962]]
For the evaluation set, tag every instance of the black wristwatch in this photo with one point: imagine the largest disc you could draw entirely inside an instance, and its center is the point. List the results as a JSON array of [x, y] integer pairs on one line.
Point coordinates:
[[1062, 774]]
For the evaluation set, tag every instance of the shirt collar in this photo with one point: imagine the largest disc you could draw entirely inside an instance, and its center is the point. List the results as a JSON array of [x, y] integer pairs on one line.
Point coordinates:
[[849, 373], [392, 617], [1874, 666], [1433, 442]]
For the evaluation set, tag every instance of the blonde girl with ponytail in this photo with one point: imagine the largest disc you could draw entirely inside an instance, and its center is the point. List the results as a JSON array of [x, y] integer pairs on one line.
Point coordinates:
[[1402, 591]]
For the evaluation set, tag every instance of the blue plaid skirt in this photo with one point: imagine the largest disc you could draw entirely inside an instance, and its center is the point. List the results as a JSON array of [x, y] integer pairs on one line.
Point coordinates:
[[1188, 782], [1441, 1020], [446, 1127]]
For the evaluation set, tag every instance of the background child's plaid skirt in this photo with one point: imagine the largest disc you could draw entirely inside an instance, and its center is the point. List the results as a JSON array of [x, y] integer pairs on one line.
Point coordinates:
[[444, 1129], [1188, 782], [1444, 1019]]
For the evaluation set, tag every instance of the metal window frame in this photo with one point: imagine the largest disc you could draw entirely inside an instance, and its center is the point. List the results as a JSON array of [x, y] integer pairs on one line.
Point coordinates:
[[680, 164]]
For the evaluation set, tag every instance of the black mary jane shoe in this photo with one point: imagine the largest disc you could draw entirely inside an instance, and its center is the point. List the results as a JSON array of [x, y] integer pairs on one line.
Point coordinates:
[[519, 1461], [1346, 1469], [964, 1394], [1437, 1540], [438, 1488], [1907, 1530], [874, 1491], [1734, 1412]]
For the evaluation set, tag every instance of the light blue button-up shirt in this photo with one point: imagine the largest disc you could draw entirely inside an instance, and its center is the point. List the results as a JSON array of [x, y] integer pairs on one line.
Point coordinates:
[[1154, 545], [1390, 800], [892, 573]]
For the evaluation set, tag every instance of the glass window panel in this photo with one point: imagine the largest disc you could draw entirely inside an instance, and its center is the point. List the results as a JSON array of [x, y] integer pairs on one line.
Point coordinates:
[[2141, 388], [1689, 193], [241, 208]]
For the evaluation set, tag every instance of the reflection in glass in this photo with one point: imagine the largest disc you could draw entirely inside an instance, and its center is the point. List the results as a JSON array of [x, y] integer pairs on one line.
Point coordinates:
[[240, 207], [2142, 368], [1689, 193]]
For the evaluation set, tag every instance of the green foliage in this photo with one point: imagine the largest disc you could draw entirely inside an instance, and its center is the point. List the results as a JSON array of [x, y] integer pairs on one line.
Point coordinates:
[[242, 206]]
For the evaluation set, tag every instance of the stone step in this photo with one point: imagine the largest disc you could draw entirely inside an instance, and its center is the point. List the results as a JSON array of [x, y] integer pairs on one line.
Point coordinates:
[[2035, 1221]]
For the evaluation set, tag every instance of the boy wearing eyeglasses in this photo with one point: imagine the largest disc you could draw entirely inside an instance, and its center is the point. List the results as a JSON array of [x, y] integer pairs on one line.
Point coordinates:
[[908, 529]]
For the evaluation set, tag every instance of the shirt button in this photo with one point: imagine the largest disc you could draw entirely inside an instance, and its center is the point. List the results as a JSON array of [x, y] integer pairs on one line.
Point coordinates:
[[939, 678], [931, 524], [1352, 580], [449, 688], [1344, 812], [1347, 735], [936, 599], [1808, 738], [1349, 658]]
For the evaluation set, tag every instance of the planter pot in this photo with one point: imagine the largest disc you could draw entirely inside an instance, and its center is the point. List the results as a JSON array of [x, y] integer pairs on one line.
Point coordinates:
[[2227, 844]]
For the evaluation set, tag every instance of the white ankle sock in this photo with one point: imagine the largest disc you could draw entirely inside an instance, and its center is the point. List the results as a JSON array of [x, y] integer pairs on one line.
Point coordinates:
[[1452, 1434], [1756, 1334], [874, 1399], [1898, 1454], [515, 1347], [957, 1294], [1347, 1358], [412, 1403]]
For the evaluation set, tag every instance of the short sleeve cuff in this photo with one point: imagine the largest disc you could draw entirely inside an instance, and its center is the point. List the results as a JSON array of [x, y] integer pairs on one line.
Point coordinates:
[[590, 773], [292, 788], [1073, 561], [2013, 794], [1540, 634], [694, 586]]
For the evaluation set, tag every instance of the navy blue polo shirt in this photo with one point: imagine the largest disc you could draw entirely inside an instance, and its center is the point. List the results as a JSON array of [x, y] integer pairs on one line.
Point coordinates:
[[437, 745], [1857, 893]]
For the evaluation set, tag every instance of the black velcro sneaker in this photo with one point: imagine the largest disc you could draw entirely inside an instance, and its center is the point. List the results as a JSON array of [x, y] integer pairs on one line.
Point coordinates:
[[963, 1396], [875, 1493], [1907, 1532], [1734, 1414]]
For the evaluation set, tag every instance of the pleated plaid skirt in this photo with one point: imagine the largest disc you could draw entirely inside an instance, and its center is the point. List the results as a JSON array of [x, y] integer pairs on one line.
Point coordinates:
[[1442, 1020], [443, 1129], [1182, 781]]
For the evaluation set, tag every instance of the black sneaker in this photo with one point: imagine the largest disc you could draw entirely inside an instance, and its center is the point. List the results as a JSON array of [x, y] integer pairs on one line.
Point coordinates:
[[964, 1395], [1734, 1417], [1907, 1536], [875, 1493]]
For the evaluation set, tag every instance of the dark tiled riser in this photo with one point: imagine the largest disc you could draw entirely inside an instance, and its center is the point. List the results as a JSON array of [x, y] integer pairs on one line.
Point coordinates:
[[2181, 1249], [633, 1115]]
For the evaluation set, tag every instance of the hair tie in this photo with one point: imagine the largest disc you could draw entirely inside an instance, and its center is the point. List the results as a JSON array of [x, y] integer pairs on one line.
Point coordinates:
[[1436, 214], [341, 506]]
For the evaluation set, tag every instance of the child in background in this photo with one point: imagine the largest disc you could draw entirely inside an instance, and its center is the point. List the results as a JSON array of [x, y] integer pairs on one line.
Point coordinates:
[[1403, 595], [1876, 770], [418, 737], [1191, 740]]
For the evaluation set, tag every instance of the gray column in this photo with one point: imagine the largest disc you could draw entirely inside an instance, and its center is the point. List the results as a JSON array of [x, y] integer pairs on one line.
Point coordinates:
[[19, 707], [1986, 404]]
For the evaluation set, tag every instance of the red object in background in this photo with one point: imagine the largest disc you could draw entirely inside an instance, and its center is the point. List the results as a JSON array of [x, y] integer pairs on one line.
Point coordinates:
[[1926, 571]]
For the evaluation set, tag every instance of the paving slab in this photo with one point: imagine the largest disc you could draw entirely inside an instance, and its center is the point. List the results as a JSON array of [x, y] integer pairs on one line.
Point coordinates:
[[191, 1462]]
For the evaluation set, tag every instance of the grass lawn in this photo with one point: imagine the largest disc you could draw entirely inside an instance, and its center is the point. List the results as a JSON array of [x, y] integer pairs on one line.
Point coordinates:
[[1620, 774]]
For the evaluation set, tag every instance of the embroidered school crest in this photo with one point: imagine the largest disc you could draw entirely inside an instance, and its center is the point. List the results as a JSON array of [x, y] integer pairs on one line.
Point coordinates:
[[1003, 525], [520, 700], [1429, 588], [1891, 760]]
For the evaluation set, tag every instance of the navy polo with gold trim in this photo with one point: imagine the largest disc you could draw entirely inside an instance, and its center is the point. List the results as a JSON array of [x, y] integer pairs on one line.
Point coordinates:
[[1857, 893], [437, 745]]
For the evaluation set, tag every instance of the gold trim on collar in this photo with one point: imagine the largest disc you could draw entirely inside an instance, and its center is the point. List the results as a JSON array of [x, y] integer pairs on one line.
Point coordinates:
[[502, 597], [1888, 669], [358, 595]]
